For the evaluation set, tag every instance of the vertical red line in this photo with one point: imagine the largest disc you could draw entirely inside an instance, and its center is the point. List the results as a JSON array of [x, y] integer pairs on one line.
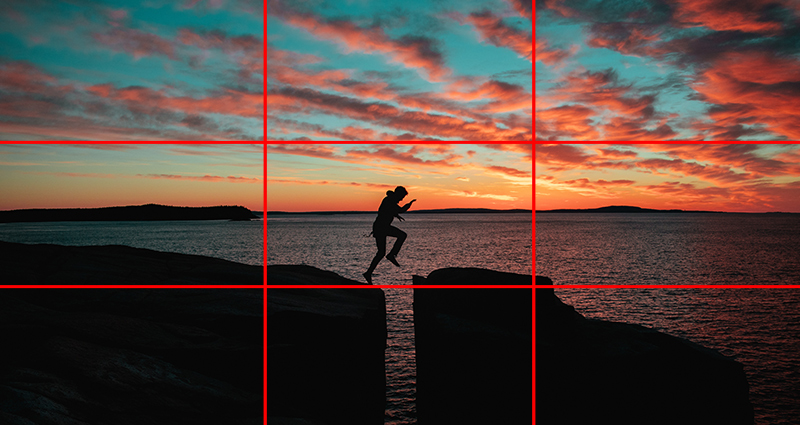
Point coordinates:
[[533, 75], [533, 291], [266, 73], [264, 261]]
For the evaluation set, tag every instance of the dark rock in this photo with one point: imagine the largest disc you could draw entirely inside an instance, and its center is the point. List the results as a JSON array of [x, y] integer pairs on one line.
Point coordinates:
[[131, 356], [325, 350], [24, 264], [474, 349], [291, 274], [593, 371]]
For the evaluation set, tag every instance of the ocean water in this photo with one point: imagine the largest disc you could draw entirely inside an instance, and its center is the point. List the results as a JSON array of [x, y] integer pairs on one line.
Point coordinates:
[[340, 243], [669, 249], [758, 327], [238, 241]]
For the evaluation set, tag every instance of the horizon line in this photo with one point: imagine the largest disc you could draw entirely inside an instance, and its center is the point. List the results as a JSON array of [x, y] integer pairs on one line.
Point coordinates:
[[637, 209]]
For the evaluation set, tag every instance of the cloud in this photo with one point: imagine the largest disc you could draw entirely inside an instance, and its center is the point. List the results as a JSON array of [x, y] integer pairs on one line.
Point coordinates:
[[750, 88], [414, 52], [523, 7], [205, 178], [625, 114], [549, 55], [755, 16], [135, 42], [288, 99], [513, 172], [469, 194], [494, 31]]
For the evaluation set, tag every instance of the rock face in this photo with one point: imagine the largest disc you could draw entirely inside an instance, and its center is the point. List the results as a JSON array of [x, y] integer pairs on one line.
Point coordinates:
[[325, 350], [592, 371], [474, 349], [131, 356], [24, 264]]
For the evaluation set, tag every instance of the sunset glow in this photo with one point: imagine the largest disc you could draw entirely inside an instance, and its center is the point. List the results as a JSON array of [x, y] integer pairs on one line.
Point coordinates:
[[89, 176], [356, 177], [732, 178]]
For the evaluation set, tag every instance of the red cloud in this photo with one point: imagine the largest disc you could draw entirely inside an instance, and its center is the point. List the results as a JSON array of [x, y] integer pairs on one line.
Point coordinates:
[[412, 52], [614, 153], [206, 178], [560, 154], [145, 100], [523, 7], [751, 88], [510, 97], [628, 39], [549, 55], [135, 42], [295, 100], [571, 122], [494, 31], [627, 116], [723, 15], [712, 173], [513, 172]]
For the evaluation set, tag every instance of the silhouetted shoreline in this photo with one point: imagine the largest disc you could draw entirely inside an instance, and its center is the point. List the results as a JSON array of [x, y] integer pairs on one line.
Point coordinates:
[[149, 212], [630, 209], [436, 211]]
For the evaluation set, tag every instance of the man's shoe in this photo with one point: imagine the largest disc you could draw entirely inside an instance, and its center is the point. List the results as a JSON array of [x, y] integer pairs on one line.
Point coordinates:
[[391, 258]]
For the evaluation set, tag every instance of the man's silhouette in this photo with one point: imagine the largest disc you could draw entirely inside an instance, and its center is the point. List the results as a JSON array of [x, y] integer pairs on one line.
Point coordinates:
[[382, 227]]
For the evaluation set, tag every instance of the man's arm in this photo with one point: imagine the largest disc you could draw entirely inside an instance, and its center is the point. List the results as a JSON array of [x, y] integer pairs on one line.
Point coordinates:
[[406, 206]]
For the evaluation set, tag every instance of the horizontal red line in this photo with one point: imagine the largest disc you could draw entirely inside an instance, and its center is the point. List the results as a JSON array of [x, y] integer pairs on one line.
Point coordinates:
[[131, 286], [398, 286], [668, 286]]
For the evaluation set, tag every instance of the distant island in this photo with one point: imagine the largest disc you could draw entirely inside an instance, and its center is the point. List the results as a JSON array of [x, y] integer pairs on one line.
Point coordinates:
[[439, 211], [149, 212]]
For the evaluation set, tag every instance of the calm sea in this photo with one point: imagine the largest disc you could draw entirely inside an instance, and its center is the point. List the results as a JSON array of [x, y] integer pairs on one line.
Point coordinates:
[[239, 241], [339, 243], [758, 327]]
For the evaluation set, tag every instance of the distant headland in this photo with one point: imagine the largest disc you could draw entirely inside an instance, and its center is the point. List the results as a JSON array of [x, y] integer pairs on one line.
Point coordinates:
[[149, 212], [630, 209], [437, 211]]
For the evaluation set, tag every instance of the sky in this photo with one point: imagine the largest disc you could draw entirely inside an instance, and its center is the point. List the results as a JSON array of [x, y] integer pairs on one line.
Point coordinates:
[[140, 70], [353, 177], [392, 70], [105, 175], [718, 177], [657, 70]]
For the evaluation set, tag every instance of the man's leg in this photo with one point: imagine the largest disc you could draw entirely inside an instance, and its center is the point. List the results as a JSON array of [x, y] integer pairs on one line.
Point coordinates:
[[401, 237], [380, 241]]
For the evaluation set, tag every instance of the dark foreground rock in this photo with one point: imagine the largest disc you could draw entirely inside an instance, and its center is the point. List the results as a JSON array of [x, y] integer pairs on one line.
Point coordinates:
[[325, 350], [24, 264], [131, 356], [474, 349], [592, 371]]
